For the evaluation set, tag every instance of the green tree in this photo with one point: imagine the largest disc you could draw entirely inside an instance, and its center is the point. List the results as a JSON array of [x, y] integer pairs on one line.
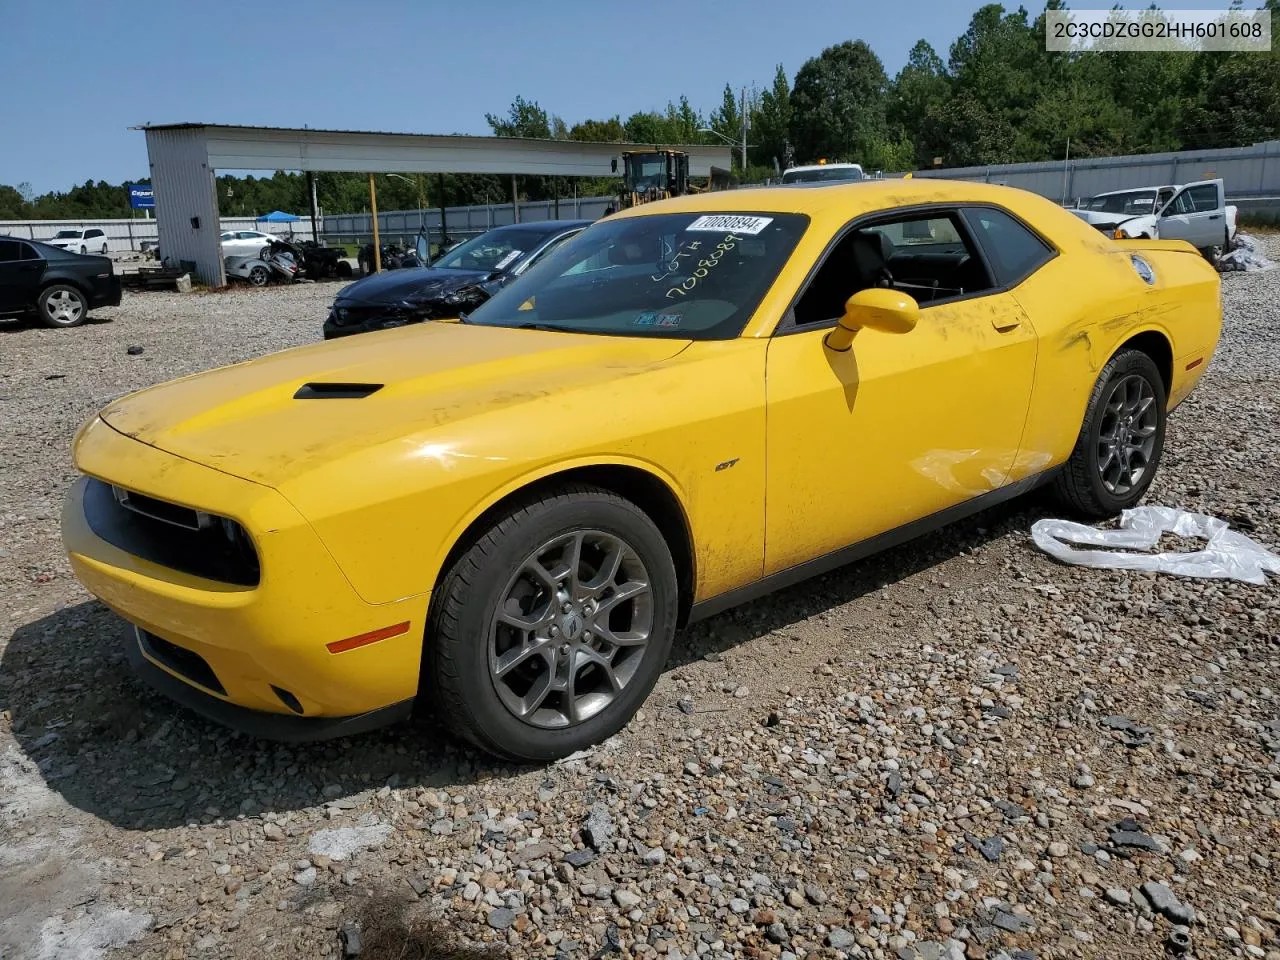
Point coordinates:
[[524, 119], [838, 104], [772, 123], [727, 121], [918, 94], [599, 131]]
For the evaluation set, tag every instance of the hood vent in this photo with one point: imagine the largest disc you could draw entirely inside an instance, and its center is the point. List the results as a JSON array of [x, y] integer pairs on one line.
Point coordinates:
[[336, 391]]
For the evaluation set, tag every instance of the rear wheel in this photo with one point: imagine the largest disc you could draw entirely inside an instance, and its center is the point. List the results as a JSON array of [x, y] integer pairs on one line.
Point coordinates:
[[1119, 447], [550, 631], [104, 249], [62, 306], [259, 276]]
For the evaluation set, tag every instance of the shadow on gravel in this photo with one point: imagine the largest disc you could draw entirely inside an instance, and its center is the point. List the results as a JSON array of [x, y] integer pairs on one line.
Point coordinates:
[[390, 928], [113, 748], [14, 324], [846, 584]]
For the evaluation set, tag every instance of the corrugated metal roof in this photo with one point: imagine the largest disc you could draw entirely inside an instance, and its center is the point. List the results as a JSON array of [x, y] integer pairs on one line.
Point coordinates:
[[402, 133]]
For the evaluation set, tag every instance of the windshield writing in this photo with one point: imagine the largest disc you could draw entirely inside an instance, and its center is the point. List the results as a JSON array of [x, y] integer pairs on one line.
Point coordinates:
[[661, 275]]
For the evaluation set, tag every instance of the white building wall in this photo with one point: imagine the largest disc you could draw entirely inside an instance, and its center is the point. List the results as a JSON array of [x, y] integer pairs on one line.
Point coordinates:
[[186, 200]]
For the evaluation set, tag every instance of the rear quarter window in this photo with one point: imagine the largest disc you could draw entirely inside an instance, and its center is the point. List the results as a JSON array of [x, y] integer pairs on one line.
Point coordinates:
[[1013, 251]]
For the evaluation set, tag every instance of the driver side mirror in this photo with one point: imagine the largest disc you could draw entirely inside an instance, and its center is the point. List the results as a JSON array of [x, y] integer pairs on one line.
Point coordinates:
[[875, 309]]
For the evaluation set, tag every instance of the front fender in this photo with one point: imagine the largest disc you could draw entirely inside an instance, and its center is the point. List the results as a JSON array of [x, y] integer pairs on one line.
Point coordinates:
[[549, 471], [1140, 227]]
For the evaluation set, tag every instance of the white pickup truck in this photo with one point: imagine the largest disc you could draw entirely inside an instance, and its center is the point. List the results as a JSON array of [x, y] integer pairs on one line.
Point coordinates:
[[1195, 212]]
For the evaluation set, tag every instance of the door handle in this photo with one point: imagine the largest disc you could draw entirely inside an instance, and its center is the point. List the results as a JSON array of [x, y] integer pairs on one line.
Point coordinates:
[[1215, 216]]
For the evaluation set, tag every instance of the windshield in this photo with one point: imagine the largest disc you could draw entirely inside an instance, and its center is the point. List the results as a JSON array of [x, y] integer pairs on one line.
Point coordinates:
[[649, 170], [682, 275], [67, 235], [821, 174], [499, 249], [1135, 203]]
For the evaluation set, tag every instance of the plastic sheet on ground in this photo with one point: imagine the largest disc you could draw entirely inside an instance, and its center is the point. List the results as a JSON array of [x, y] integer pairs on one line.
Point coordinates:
[[1245, 255], [1227, 555]]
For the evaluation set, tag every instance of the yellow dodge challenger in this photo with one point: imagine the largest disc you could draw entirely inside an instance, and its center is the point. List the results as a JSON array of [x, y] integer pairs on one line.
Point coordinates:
[[508, 515]]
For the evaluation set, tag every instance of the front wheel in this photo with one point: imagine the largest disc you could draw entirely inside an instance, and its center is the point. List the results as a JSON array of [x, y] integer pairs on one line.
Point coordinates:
[[1119, 447], [258, 276], [62, 306], [104, 249], [549, 632], [83, 249]]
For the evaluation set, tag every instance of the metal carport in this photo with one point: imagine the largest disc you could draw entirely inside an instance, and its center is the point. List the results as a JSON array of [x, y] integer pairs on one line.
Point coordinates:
[[184, 158]]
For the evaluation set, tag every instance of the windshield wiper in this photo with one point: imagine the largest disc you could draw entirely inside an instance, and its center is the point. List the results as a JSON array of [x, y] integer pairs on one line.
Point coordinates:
[[553, 327]]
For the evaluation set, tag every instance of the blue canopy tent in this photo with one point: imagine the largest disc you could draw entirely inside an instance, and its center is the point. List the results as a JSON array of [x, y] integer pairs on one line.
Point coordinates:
[[278, 216]]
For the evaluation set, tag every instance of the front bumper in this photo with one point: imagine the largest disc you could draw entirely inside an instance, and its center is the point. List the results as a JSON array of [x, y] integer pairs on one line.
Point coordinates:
[[269, 726], [246, 649]]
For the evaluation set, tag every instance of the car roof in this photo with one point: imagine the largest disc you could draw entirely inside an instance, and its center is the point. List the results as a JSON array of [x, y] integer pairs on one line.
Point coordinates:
[[845, 197], [823, 166], [1112, 193], [544, 225]]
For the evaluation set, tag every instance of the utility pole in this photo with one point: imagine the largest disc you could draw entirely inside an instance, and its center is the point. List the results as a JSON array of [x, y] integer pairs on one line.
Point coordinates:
[[377, 247], [1065, 168], [744, 131], [444, 229], [315, 221]]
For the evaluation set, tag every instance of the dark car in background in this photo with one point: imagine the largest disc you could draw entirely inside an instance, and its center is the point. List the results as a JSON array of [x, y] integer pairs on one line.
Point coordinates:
[[457, 283], [58, 286]]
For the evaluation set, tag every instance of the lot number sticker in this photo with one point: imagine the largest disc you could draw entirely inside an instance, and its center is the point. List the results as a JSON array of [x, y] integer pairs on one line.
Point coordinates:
[[730, 223]]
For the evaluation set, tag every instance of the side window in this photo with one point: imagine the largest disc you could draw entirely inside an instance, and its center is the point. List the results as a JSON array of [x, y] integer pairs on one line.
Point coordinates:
[[228, 235], [27, 252], [926, 257], [92, 234], [1204, 197], [1182, 203], [1013, 251], [9, 251]]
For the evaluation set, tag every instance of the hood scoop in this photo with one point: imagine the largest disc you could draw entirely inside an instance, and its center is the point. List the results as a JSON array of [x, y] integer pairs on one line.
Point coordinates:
[[336, 391]]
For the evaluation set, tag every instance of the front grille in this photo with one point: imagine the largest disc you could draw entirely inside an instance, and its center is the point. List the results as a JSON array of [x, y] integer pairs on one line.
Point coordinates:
[[186, 663], [173, 536]]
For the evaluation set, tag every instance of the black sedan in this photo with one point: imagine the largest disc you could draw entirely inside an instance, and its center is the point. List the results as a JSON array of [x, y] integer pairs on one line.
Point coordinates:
[[457, 283], [58, 286]]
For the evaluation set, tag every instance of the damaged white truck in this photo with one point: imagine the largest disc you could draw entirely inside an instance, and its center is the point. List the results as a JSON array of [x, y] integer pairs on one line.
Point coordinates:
[[1195, 212]]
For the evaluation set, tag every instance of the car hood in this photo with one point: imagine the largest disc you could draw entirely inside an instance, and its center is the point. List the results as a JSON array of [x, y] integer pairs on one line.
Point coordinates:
[[1102, 217], [413, 285], [261, 421]]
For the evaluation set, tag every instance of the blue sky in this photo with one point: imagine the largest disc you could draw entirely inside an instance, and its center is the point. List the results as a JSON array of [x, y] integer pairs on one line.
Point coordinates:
[[80, 73]]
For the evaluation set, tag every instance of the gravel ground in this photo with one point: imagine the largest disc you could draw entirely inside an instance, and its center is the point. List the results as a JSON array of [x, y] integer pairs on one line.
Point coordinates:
[[973, 751]]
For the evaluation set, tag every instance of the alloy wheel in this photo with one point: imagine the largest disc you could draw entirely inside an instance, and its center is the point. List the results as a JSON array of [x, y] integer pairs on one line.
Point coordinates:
[[64, 307], [1127, 435], [570, 629]]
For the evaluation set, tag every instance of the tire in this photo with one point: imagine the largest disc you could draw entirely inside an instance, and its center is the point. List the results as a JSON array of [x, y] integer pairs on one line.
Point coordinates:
[[104, 249], [264, 253], [467, 641], [1126, 413], [343, 269], [62, 305], [83, 250], [258, 276]]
